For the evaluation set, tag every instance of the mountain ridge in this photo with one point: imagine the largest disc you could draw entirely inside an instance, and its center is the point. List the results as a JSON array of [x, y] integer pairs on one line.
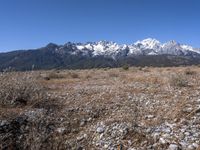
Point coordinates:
[[147, 46], [101, 54]]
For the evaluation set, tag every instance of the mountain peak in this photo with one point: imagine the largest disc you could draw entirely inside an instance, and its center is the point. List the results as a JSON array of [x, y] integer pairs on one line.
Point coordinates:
[[51, 45], [173, 42], [104, 42], [148, 43], [150, 40]]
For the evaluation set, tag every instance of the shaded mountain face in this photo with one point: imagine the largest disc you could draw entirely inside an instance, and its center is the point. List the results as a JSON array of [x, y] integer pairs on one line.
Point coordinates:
[[148, 52]]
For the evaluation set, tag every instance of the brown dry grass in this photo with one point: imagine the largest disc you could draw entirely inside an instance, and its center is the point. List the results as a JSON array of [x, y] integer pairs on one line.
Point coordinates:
[[109, 95], [20, 90]]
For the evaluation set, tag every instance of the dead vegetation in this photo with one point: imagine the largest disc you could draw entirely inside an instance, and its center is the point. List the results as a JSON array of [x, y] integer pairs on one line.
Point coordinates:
[[59, 75], [100, 108], [188, 71], [125, 67], [20, 90], [179, 80]]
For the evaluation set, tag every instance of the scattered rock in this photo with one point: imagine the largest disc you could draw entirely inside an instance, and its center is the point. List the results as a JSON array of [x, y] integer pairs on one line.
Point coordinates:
[[100, 129], [162, 141], [60, 130], [195, 145], [191, 147], [173, 147]]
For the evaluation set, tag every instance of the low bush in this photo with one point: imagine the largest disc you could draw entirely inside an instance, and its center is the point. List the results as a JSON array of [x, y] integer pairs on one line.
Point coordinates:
[[189, 72], [20, 90], [57, 75], [113, 74], [178, 80], [73, 75], [54, 75], [125, 67]]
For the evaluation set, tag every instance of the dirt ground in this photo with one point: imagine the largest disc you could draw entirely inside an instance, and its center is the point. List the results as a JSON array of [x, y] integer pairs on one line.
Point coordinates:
[[135, 108]]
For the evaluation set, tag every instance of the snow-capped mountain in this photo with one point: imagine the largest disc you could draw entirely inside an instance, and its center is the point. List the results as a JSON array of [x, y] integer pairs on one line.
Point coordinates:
[[147, 52], [145, 47]]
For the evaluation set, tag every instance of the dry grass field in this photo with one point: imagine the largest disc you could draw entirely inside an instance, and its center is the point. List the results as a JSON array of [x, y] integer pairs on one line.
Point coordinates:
[[123, 108]]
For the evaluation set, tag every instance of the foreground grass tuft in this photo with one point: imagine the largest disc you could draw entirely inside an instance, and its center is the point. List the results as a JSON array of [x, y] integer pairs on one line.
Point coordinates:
[[178, 80], [20, 90]]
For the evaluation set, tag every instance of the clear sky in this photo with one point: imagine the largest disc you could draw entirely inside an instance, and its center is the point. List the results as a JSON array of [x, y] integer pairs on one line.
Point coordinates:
[[34, 23]]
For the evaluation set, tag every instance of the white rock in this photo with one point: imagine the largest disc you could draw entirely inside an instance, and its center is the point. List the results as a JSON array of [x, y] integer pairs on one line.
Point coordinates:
[[131, 149], [173, 147], [3, 122], [195, 145], [82, 123], [101, 136], [155, 145], [100, 130], [166, 130], [187, 133], [80, 138], [162, 141], [166, 136], [129, 142], [89, 119], [60, 130], [183, 144], [191, 147], [149, 116], [106, 146], [156, 137]]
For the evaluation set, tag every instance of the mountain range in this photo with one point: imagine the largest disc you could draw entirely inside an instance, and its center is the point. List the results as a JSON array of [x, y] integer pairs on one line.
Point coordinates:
[[148, 52]]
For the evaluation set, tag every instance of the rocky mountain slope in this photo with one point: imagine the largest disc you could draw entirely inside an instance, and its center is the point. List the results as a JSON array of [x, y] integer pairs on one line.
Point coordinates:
[[148, 52]]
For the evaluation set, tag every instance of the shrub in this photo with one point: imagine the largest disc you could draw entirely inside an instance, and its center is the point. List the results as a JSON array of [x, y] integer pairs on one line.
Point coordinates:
[[54, 75], [19, 90], [140, 68], [87, 76], [113, 74], [58, 75], [178, 81], [74, 75], [146, 69], [125, 67], [189, 72]]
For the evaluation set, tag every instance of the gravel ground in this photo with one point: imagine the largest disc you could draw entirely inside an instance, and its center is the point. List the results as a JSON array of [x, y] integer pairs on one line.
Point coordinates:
[[135, 109]]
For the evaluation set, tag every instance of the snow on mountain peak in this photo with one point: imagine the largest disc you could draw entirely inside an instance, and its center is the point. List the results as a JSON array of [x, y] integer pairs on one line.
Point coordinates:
[[149, 43], [187, 47], [172, 43], [99, 48], [147, 46]]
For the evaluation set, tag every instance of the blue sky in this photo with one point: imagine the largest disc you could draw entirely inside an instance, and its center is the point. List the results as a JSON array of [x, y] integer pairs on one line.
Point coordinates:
[[34, 23]]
